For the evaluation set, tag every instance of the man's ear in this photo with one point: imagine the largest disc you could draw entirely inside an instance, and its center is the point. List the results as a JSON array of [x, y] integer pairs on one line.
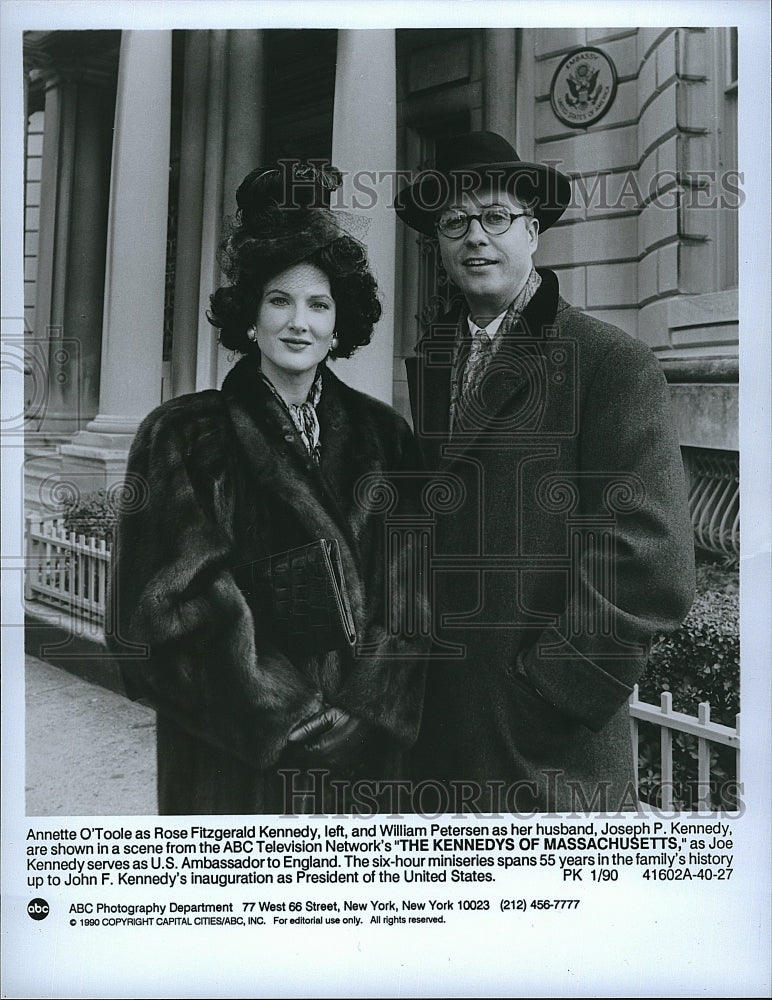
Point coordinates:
[[533, 230]]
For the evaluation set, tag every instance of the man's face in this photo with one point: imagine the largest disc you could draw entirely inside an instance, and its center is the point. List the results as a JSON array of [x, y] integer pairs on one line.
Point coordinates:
[[490, 270]]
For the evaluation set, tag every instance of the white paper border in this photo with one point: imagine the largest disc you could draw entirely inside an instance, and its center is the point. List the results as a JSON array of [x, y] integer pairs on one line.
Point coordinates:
[[677, 944]]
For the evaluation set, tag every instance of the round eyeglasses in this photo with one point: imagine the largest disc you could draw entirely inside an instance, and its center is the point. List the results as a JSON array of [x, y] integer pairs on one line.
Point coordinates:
[[455, 222]]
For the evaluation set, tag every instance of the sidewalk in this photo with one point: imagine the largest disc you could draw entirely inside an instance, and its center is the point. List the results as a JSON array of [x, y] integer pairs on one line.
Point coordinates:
[[89, 751]]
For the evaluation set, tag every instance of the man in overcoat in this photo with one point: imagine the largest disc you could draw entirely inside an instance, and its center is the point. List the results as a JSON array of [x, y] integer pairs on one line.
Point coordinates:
[[564, 546]]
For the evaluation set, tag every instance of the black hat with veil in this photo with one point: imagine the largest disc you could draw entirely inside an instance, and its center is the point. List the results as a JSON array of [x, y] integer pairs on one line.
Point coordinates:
[[284, 218]]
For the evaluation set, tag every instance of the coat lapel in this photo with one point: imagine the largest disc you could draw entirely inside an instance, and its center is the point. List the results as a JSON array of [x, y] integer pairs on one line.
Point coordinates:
[[510, 399], [280, 463], [429, 376]]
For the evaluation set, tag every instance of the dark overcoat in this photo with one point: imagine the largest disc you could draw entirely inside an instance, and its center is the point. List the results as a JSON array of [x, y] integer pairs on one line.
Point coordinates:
[[222, 478], [566, 549]]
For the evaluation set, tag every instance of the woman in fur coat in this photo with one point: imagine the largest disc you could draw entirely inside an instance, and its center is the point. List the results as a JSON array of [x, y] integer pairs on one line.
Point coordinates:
[[284, 454]]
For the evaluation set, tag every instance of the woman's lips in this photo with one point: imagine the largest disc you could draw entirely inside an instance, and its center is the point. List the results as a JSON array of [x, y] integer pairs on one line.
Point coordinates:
[[295, 345]]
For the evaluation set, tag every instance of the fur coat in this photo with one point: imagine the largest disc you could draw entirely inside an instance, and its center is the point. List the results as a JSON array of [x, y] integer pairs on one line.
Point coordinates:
[[568, 550], [223, 478]]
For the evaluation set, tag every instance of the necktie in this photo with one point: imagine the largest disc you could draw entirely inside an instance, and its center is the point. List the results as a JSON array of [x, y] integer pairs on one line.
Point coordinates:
[[479, 356]]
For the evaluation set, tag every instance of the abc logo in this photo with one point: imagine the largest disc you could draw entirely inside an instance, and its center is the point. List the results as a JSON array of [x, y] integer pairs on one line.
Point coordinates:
[[38, 909]]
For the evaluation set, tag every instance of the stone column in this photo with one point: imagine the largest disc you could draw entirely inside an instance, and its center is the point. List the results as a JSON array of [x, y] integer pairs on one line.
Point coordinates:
[[187, 275], [244, 130], [500, 61], [245, 122], [211, 223], [55, 192], [132, 343], [364, 138], [132, 339], [73, 228], [222, 137], [86, 263]]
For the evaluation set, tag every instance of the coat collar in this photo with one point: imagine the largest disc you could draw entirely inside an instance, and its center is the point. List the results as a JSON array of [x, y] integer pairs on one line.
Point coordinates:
[[511, 372], [244, 386], [277, 459]]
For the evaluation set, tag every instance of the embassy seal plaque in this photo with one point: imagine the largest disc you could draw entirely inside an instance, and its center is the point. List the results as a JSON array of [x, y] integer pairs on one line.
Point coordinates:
[[584, 87]]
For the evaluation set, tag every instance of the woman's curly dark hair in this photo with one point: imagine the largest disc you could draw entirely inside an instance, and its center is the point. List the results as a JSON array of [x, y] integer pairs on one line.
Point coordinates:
[[282, 221]]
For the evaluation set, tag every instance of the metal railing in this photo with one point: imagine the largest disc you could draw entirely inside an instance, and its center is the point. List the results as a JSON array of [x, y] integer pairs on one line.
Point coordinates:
[[714, 499], [66, 571], [707, 734]]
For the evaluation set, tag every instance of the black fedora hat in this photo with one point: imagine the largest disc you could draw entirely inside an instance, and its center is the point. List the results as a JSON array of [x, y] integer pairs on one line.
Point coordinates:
[[465, 163]]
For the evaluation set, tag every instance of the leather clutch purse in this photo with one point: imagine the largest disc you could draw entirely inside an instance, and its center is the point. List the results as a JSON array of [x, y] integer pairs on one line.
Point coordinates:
[[303, 592]]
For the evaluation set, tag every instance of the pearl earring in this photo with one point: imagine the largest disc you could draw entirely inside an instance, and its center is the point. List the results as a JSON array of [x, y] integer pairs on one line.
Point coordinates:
[[334, 343], [252, 333]]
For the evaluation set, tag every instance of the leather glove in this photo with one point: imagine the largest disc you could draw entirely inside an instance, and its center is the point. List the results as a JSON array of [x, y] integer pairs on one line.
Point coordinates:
[[331, 734], [314, 708]]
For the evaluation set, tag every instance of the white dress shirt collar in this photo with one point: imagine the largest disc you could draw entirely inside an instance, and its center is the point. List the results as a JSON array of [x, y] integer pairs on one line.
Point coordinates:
[[491, 329]]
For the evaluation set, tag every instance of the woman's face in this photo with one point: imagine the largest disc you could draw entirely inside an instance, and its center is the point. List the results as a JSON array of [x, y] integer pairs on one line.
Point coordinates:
[[295, 321]]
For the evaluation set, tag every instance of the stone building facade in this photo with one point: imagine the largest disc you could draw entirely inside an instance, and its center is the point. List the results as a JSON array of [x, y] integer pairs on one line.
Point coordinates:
[[136, 141]]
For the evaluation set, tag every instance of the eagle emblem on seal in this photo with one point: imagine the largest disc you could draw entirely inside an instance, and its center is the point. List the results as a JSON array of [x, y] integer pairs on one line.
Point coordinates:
[[582, 87]]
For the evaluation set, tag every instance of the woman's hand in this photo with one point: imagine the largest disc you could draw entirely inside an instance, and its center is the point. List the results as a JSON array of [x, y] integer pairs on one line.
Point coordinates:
[[315, 707], [331, 734]]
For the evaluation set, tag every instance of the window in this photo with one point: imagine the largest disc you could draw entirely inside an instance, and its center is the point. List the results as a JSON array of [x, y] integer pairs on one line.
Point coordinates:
[[726, 72]]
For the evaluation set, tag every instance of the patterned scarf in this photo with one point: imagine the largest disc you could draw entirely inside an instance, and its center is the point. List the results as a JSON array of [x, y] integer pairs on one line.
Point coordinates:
[[304, 415]]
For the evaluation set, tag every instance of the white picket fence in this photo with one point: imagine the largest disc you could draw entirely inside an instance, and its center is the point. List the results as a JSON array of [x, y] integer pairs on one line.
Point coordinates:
[[68, 572], [707, 733]]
